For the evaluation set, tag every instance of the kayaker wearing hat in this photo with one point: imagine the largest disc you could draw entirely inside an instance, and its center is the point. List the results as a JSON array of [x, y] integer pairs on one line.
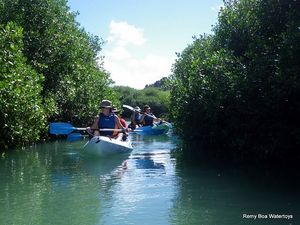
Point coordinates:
[[106, 119], [135, 118], [148, 118]]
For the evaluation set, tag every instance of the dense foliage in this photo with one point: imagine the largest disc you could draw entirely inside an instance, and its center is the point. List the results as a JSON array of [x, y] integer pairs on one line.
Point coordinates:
[[162, 84], [238, 90], [20, 91], [59, 59], [157, 99]]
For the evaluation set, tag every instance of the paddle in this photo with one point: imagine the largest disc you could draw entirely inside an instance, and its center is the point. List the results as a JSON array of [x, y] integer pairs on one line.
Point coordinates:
[[60, 128], [74, 137]]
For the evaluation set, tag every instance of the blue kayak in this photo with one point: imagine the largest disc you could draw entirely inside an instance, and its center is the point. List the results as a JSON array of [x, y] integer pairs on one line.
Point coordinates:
[[156, 129]]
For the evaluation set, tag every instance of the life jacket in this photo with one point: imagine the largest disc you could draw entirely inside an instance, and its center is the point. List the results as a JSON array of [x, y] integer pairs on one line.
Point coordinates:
[[137, 118], [148, 121], [107, 122]]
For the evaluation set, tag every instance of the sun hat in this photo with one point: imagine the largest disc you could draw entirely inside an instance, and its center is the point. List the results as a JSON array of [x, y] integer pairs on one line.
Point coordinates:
[[146, 107], [137, 109], [105, 104]]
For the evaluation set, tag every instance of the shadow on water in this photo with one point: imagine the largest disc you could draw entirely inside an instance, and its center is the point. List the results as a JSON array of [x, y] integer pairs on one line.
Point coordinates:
[[151, 151], [148, 163], [216, 192]]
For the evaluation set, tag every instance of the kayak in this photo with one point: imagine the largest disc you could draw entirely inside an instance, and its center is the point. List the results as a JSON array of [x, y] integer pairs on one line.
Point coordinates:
[[103, 146], [156, 129]]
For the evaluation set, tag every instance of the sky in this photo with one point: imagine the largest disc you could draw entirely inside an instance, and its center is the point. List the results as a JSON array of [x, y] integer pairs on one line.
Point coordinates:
[[142, 36]]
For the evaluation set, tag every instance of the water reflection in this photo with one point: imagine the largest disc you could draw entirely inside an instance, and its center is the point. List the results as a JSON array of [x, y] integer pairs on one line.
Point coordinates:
[[52, 184], [144, 192], [55, 183], [147, 163], [103, 166], [221, 195]]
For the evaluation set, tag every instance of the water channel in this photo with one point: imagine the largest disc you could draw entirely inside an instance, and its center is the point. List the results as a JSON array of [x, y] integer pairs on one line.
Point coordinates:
[[56, 183]]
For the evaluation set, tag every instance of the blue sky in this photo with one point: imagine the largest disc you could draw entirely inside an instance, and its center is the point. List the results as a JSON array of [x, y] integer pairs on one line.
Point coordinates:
[[142, 36]]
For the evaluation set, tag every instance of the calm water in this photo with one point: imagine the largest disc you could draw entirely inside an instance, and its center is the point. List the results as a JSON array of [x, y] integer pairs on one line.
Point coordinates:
[[55, 183]]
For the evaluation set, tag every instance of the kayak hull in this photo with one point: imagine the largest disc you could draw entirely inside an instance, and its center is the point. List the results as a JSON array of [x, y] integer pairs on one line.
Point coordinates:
[[158, 129], [103, 146]]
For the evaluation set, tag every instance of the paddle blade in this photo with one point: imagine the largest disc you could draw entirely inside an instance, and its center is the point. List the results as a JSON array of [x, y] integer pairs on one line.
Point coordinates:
[[128, 107], [60, 128], [74, 137]]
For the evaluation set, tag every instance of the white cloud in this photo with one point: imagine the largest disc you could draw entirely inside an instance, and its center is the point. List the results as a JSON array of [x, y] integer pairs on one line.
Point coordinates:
[[121, 60], [139, 72], [123, 34], [217, 8], [118, 53]]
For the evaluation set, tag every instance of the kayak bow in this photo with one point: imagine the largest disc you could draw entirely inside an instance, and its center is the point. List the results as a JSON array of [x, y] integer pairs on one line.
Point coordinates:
[[102, 146]]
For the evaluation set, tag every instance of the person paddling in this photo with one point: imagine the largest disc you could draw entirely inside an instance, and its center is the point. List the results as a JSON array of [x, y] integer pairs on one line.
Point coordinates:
[[107, 119], [119, 114], [148, 118], [135, 118]]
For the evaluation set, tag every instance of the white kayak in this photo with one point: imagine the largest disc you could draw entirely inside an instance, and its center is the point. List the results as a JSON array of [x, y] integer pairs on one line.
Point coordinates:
[[103, 146]]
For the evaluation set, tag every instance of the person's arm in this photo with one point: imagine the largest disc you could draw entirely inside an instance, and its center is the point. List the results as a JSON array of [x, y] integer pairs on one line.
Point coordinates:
[[95, 124], [132, 119], [117, 120], [142, 119], [94, 129], [156, 120]]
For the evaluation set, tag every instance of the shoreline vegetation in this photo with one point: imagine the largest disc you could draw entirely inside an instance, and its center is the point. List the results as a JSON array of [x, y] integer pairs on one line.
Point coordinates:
[[233, 95], [50, 69], [238, 90]]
